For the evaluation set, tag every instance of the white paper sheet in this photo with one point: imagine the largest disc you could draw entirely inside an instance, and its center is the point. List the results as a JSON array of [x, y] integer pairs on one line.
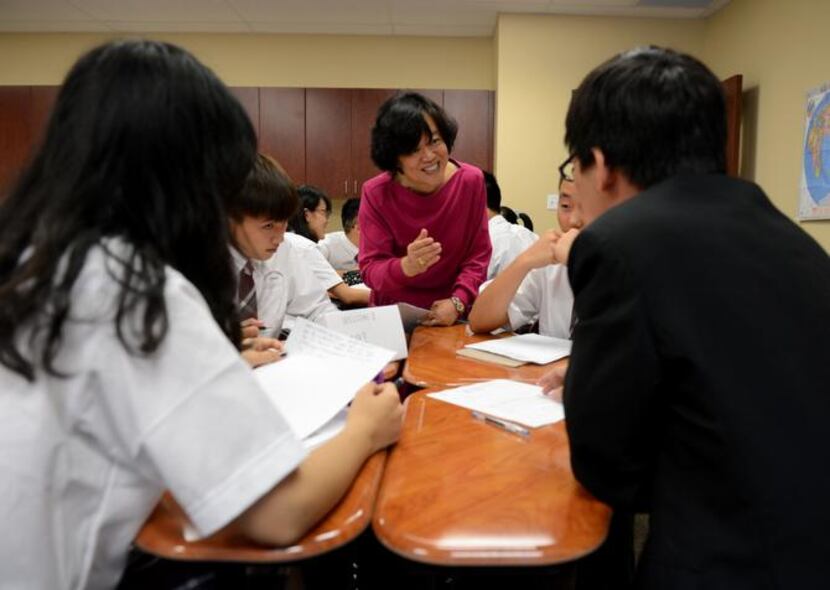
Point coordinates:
[[510, 400], [530, 348], [381, 326], [320, 374]]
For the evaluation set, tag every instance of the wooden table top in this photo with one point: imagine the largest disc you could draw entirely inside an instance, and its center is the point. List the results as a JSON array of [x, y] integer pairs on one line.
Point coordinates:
[[432, 361], [162, 533], [457, 491]]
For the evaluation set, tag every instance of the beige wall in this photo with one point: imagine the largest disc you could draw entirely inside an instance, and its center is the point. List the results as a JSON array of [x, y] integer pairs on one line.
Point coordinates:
[[540, 60], [281, 60], [533, 63], [782, 50]]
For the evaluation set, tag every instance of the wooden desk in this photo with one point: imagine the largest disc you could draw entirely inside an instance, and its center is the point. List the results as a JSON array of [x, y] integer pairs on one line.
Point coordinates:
[[162, 533], [457, 491], [432, 360]]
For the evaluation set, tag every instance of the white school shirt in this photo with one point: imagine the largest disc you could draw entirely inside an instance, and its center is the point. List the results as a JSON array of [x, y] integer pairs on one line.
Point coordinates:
[[545, 293], [85, 458], [285, 287], [509, 240], [339, 251], [315, 260]]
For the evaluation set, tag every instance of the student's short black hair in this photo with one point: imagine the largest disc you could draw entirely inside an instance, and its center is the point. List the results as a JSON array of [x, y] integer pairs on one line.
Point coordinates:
[[348, 214], [268, 192], [310, 197], [400, 125], [493, 191], [653, 112]]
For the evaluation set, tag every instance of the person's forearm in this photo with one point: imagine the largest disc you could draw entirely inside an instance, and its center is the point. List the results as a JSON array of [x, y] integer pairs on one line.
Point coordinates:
[[288, 511], [350, 295], [490, 309]]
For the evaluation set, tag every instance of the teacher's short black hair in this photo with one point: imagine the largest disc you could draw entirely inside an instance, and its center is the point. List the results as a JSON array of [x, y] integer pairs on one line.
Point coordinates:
[[400, 125], [653, 112]]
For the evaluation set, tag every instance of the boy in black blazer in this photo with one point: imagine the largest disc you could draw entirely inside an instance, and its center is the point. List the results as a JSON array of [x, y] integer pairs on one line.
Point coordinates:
[[699, 382]]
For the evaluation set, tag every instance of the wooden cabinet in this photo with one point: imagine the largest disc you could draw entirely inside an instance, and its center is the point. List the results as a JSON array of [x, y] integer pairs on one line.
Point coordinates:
[[24, 111], [282, 132], [473, 110], [338, 138], [321, 136], [339, 124], [328, 128]]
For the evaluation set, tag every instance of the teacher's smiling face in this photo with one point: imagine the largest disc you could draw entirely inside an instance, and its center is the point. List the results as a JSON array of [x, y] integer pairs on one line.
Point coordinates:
[[425, 169]]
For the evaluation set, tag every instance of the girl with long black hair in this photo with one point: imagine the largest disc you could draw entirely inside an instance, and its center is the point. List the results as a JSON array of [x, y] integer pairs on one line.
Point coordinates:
[[118, 371]]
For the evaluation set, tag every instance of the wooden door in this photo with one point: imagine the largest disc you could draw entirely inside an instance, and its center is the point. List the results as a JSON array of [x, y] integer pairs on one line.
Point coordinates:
[[732, 89], [248, 96], [15, 133], [473, 110], [365, 104], [282, 128], [328, 140]]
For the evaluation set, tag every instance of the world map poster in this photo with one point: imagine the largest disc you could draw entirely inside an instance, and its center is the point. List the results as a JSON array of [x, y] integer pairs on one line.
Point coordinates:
[[814, 198]]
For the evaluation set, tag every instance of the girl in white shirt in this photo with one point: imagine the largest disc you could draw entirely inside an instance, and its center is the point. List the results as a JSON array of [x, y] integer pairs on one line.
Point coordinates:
[[118, 371]]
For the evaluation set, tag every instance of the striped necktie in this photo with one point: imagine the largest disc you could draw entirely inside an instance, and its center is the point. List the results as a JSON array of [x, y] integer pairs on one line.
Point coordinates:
[[247, 292]]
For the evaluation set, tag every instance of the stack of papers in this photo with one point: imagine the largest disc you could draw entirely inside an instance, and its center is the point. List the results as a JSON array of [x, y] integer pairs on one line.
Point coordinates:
[[527, 348], [517, 402], [320, 374]]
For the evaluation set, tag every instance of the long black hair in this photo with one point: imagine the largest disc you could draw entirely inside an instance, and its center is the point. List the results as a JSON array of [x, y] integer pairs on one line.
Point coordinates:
[[310, 199], [145, 144]]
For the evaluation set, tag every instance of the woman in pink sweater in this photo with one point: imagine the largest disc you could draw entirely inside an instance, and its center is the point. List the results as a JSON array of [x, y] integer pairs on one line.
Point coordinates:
[[423, 221]]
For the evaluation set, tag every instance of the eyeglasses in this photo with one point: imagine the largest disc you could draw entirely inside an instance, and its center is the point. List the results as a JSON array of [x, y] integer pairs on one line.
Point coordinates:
[[325, 211], [566, 169]]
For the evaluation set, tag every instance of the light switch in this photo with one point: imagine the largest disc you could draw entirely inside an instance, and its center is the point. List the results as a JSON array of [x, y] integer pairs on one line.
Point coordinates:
[[553, 201]]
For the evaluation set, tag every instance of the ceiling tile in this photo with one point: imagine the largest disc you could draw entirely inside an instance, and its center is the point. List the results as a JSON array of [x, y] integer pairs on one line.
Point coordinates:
[[329, 12], [206, 11], [49, 26], [178, 27], [321, 28], [36, 10], [443, 30]]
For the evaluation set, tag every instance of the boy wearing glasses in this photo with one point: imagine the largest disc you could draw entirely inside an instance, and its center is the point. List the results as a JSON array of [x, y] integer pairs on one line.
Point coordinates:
[[534, 286], [697, 388]]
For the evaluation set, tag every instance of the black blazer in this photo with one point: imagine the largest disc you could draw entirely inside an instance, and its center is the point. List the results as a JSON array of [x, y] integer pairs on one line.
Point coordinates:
[[699, 384]]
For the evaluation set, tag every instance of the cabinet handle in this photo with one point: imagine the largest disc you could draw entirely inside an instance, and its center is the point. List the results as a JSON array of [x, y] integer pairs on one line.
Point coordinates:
[[355, 188], [346, 188]]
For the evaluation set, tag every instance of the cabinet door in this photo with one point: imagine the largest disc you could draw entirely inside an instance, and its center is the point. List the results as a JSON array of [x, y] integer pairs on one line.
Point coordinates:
[[473, 110], [16, 133], [248, 96], [328, 140], [282, 128], [365, 104]]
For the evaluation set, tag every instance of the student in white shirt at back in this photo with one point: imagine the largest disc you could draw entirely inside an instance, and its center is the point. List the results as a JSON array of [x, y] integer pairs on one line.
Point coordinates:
[[340, 247], [120, 375], [532, 287], [284, 284], [306, 228], [509, 239]]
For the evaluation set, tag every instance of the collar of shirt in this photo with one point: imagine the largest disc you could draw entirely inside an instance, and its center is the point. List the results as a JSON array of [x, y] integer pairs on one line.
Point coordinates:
[[239, 261]]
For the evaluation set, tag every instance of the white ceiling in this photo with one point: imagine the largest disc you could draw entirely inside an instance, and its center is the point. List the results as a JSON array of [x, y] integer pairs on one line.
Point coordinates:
[[473, 18]]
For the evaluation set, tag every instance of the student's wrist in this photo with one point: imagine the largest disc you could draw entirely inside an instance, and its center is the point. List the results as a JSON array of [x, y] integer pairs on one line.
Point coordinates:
[[358, 435]]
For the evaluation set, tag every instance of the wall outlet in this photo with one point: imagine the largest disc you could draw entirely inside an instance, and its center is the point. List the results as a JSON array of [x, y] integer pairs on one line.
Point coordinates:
[[553, 201]]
